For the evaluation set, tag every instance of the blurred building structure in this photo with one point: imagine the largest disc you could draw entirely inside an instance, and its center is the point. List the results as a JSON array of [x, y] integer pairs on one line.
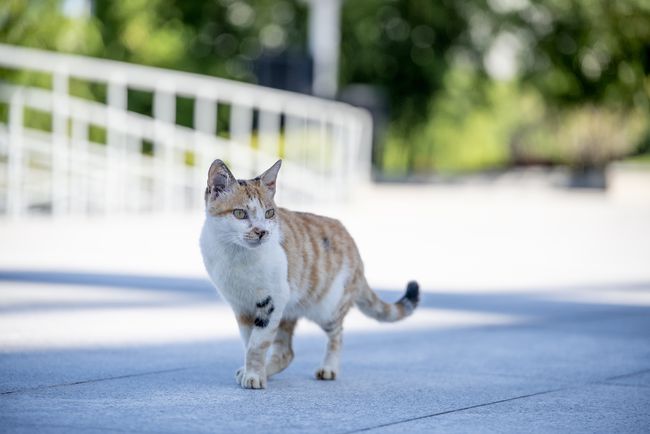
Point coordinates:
[[324, 45]]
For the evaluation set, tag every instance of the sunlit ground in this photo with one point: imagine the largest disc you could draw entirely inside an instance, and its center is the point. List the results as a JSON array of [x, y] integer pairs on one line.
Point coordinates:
[[506, 237], [569, 246], [535, 313]]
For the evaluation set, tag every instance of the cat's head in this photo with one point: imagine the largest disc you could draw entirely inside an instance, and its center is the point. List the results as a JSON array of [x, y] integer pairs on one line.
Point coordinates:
[[243, 211]]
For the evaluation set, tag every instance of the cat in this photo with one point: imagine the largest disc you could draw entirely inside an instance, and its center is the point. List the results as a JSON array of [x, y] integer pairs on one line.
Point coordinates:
[[274, 266]]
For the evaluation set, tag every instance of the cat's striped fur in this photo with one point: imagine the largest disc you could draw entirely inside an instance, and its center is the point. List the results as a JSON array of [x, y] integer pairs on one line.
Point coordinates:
[[274, 267]]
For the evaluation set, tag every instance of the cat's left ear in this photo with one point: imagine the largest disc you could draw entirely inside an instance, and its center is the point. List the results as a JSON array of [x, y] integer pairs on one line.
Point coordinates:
[[268, 178]]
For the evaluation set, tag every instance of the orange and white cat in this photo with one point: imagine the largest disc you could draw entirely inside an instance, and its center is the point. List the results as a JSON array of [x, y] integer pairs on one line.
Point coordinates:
[[274, 266]]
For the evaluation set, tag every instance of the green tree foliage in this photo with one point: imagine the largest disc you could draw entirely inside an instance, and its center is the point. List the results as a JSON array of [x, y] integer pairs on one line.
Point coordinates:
[[41, 24], [219, 37], [400, 46], [455, 103], [452, 110], [579, 51]]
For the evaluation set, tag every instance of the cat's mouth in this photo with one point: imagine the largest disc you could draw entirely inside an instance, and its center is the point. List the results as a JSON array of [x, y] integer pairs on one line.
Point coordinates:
[[254, 242]]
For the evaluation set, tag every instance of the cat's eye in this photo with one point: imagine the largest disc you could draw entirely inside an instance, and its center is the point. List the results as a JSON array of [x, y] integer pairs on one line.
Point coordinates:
[[239, 214], [269, 213]]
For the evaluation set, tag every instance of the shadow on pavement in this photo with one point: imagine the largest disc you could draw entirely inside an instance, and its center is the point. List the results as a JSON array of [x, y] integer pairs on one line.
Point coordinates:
[[533, 302], [571, 364]]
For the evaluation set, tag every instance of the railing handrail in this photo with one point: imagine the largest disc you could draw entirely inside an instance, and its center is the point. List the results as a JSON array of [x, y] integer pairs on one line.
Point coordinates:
[[325, 144], [146, 78]]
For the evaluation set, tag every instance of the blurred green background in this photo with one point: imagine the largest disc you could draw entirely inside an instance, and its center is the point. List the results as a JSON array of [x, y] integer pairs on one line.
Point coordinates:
[[468, 85]]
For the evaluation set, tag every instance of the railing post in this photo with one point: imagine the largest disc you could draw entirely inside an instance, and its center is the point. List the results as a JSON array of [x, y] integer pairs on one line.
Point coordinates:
[[365, 124], [339, 175], [164, 112], [241, 124], [15, 204], [116, 182], [79, 168], [268, 131], [136, 197], [60, 170], [292, 148], [352, 148], [205, 124], [361, 142], [323, 169], [327, 144]]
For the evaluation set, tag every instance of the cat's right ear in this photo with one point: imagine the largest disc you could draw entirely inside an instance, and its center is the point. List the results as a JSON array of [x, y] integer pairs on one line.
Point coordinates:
[[220, 178], [270, 175]]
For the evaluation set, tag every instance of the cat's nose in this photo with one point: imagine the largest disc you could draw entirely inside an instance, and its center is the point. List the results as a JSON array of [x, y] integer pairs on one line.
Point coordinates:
[[261, 233]]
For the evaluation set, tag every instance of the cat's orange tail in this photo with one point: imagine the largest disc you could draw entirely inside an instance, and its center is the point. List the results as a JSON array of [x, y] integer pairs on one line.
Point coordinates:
[[371, 305]]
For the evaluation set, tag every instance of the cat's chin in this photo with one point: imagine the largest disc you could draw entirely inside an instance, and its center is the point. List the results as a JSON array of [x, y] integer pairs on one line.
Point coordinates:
[[253, 244]]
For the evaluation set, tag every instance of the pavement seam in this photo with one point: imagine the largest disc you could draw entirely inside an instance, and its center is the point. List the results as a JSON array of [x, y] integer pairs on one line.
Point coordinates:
[[631, 374], [453, 411], [606, 383], [95, 380], [602, 382]]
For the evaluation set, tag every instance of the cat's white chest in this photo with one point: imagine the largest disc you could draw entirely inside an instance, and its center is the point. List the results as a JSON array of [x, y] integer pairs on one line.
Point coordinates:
[[243, 276]]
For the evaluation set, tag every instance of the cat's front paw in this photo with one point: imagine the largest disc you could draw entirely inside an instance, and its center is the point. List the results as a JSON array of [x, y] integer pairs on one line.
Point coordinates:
[[250, 380], [326, 373], [239, 374]]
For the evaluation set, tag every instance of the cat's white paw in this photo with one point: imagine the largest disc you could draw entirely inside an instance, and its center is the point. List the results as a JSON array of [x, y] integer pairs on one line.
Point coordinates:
[[326, 373], [250, 380]]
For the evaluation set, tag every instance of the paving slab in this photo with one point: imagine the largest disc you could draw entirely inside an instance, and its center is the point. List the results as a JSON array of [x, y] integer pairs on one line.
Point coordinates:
[[588, 409], [547, 373], [205, 400], [535, 317]]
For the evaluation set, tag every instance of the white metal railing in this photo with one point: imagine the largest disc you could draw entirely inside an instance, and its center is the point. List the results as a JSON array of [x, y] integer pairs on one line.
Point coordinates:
[[62, 170]]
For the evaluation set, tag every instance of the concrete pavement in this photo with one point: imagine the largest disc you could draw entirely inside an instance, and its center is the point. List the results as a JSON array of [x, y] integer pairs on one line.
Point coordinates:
[[546, 365], [535, 318]]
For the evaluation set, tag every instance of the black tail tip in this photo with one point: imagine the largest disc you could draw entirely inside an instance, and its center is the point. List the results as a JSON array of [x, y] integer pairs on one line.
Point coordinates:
[[413, 292]]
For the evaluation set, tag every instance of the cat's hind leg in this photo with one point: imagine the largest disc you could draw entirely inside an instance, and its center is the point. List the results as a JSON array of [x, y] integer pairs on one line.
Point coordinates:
[[330, 367], [329, 370], [281, 351]]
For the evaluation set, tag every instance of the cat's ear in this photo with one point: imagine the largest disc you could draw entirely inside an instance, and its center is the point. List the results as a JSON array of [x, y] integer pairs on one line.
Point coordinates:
[[220, 178], [268, 178]]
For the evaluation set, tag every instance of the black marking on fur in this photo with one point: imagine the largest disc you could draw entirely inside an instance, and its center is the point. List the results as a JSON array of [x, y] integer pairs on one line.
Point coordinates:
[[264, 302], [265, 309], [214, 191], [261, 322], [219, 183], [241, 182], [257, 179], [326, 243]]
